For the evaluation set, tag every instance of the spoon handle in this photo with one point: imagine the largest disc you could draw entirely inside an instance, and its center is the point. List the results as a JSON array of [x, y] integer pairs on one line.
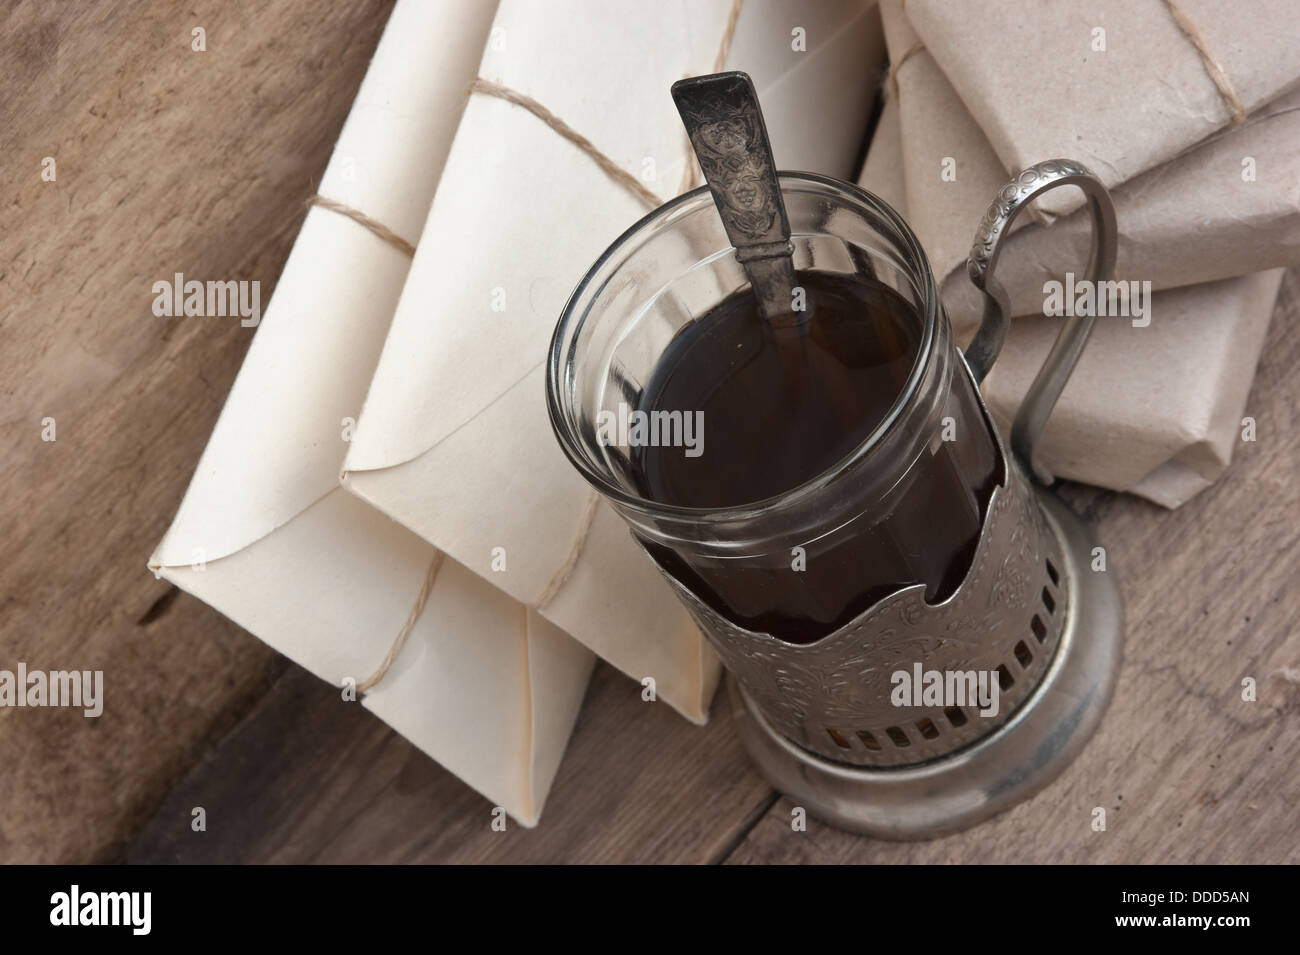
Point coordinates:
[[727, 132]]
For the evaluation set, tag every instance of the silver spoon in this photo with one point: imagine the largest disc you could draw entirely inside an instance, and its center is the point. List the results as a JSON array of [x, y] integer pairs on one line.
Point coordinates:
[[727, 132]]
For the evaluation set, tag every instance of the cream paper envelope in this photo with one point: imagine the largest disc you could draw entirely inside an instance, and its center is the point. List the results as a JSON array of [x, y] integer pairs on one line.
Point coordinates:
[[1227, 207], [265, 535], [454, 441], [1155, 411], [1119, 85]]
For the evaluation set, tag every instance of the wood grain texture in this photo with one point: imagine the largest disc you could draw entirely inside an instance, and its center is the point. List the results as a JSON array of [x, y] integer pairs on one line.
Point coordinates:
[[167, 160], [308, 777]]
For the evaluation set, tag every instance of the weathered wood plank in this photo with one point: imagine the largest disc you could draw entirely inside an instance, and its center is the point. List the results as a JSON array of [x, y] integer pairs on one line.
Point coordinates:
[[310, 778], [167, 160]]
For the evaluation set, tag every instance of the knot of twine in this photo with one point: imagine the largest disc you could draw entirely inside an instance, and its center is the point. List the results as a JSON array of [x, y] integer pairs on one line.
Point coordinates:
[[377, 228]]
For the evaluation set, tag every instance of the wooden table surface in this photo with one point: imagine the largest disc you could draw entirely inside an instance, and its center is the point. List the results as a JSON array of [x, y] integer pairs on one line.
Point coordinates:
[[173, 160]]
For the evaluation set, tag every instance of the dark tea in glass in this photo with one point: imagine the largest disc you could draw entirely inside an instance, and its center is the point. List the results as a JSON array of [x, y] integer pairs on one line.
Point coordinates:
[[845, 451], [786, 399]]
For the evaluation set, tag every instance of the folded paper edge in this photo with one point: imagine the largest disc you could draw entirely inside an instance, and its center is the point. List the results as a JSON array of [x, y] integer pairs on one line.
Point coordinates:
[[541, 777], [351, 465], [695, 708]]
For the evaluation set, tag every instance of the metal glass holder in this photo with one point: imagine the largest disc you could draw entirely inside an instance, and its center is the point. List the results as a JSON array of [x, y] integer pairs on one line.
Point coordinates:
[[1008, 762], [816, 719]]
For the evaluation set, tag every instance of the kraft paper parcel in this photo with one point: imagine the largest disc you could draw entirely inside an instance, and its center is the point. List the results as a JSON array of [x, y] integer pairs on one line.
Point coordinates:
[[454, 441], [1155, 411], [265, 534], [1119, 85], [1227, 207]]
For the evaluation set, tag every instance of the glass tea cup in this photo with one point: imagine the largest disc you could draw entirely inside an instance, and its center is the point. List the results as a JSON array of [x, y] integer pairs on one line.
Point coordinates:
[[905, 506]]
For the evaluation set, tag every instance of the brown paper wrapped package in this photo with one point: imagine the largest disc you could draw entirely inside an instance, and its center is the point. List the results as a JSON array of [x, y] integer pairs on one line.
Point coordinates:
[[1119, 85], [1155, 411], [1200, 217], [265, 534]]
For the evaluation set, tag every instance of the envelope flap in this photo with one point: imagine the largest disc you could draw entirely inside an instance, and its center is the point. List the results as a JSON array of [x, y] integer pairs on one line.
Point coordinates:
[[522, 212], [282, 434]]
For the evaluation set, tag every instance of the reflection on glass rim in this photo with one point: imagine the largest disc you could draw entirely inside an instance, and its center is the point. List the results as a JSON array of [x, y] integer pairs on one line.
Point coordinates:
[[563, 347]]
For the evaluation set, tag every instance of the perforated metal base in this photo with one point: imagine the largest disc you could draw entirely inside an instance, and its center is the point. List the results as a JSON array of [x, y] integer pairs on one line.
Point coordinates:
[[996, 771]]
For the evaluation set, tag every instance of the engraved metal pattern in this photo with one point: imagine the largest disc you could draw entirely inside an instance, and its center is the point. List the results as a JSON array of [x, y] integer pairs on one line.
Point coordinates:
[[729, 154], [840, 686], [1049, 382], [1003, 768], [1032, 181], [727, 132]]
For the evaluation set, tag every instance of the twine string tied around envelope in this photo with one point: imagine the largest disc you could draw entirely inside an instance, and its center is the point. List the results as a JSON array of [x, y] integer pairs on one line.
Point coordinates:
[[897, 65], [381, 231]]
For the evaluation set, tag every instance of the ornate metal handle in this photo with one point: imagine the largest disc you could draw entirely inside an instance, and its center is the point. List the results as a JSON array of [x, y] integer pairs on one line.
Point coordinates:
[[1047, 385]]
